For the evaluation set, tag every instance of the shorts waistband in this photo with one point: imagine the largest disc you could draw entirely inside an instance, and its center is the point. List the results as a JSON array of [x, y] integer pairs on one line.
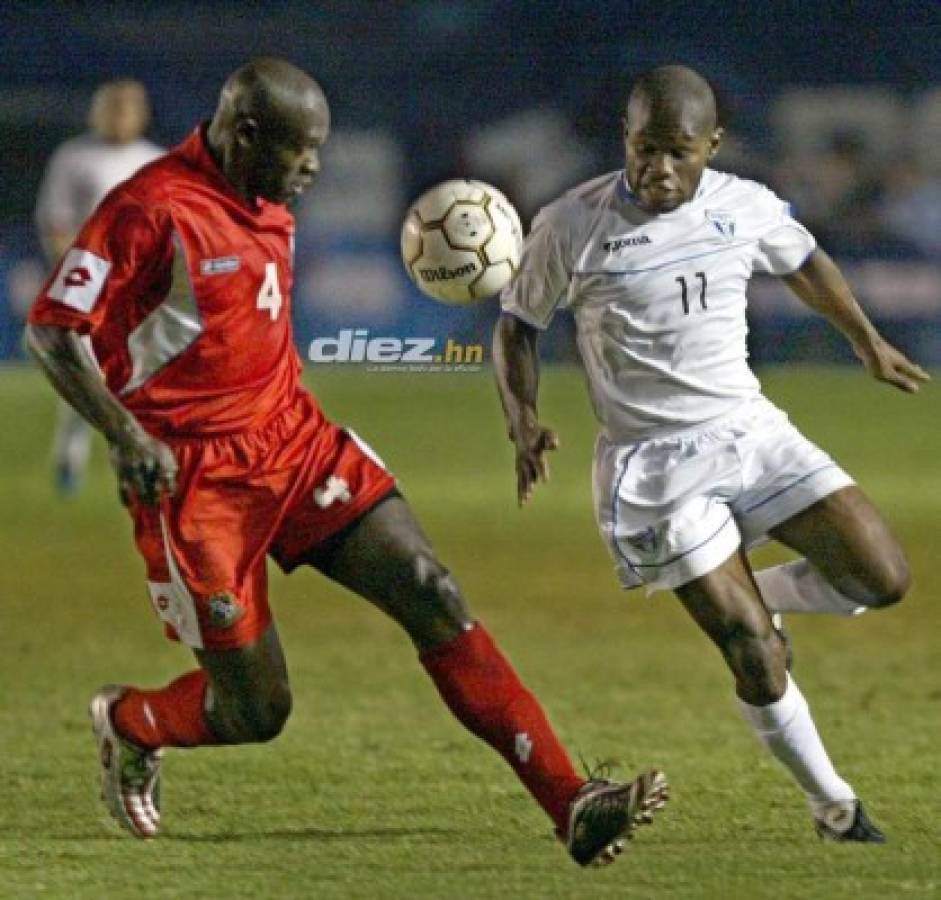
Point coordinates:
[[749, 407], [299, 407]]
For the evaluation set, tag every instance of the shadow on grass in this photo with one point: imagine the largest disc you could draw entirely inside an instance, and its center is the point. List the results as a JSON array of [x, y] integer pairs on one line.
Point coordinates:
[[290, 834], [313, 834]]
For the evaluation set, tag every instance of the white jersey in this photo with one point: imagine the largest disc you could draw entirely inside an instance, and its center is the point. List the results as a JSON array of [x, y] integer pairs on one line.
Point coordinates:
[[659, 300], [79, 175]]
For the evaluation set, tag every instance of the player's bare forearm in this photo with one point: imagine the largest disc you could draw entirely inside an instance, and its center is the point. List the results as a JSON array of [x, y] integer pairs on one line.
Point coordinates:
[[821, 286], [145, 466], [75, 376], [516, 366]]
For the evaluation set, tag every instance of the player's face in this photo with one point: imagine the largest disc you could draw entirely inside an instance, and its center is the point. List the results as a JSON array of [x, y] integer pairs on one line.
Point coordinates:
[[120, 112], [666, 156], [286, 161]]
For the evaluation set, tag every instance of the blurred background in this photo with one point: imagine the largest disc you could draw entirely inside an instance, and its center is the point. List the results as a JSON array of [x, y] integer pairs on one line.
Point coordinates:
[[372, 792], [837, 106]]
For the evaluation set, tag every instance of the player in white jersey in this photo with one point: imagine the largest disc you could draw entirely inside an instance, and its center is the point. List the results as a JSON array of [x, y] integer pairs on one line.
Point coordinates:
[[693, 465], [77, 177]]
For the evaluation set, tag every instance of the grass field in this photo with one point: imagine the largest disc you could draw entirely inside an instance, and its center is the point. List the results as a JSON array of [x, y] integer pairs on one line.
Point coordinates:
[[373, 791]]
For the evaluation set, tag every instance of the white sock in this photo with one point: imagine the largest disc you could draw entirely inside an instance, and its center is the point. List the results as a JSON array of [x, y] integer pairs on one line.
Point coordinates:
[[787, 730], [797, 586]]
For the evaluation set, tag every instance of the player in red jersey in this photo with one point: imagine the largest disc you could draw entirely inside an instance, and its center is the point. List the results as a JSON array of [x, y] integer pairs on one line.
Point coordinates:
[[182, 278]]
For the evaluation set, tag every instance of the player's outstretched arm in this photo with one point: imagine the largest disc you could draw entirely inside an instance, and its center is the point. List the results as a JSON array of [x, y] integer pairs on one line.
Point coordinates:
[[516, 366], [144, 465], [821, 285]]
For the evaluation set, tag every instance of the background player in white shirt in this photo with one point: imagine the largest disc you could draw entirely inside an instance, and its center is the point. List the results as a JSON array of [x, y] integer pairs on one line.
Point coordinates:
[[693, 465], [77, 177]]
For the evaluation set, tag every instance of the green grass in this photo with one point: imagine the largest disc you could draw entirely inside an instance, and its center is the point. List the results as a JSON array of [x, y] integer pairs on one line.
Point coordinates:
[[373, 790]]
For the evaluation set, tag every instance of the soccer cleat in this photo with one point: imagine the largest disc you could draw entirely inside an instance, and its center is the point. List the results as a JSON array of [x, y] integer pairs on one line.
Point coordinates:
[[604, 815], [832, 825], [130, 776], [777, 622]]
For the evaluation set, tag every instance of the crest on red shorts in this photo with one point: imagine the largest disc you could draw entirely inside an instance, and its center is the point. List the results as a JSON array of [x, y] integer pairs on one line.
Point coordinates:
[[333, 489], [224, 610]]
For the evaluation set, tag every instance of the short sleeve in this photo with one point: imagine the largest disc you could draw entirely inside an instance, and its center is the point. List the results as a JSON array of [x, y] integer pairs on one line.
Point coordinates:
[[544, 274], [116, 249], [784, 244]]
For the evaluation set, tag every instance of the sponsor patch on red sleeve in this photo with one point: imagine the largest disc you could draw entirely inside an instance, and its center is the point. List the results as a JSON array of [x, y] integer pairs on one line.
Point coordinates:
[[80, 278]]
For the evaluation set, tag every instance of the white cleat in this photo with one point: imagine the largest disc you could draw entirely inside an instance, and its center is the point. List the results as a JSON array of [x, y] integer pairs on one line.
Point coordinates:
[[130, 776]]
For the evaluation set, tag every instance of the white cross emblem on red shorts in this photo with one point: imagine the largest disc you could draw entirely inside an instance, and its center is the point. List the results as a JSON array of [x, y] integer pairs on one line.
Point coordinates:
[[332, 490]]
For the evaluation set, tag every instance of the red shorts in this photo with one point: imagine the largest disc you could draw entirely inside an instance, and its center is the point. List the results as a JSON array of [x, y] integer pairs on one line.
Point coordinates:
[[279, 490]]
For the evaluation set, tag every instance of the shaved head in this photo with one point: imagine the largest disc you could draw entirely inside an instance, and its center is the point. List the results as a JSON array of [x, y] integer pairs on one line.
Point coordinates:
[[271, 120], [676, 93], [269, 91], [670, 134]]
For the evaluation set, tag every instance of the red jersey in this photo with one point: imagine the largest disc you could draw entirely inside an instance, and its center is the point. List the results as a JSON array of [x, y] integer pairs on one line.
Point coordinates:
[[184, 288]]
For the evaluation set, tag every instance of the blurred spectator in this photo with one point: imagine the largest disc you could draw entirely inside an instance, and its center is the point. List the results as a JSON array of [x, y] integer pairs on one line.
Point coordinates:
[[77, 177], [738, 157], [835, 193], [534, 155], [911, 207], [85, 168]]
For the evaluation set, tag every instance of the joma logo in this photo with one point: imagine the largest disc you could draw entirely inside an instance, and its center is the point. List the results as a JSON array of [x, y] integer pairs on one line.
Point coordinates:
[[616, 244]]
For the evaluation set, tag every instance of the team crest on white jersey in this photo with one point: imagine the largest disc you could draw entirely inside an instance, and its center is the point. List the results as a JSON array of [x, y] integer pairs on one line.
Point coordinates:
[[723, 222]]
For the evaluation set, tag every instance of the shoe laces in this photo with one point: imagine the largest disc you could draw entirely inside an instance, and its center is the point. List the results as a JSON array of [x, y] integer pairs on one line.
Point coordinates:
[[601, 770], [138, 766]]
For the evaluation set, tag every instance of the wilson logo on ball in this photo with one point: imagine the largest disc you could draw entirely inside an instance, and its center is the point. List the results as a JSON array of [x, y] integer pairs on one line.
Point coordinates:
[[443, 273]]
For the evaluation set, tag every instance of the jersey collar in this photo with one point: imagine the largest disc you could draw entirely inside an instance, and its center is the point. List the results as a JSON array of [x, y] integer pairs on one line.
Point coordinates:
[[195, 150]]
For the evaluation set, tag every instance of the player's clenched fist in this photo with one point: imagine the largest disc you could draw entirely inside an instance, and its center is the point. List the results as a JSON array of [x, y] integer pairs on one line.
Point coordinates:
[[533, 442], [146, 467]]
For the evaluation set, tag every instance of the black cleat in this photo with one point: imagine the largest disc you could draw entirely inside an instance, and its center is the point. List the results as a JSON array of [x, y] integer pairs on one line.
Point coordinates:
[[860, 829], [604, 814]]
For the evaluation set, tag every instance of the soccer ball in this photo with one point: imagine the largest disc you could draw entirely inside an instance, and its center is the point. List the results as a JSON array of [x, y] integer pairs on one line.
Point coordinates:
[[461, 241]]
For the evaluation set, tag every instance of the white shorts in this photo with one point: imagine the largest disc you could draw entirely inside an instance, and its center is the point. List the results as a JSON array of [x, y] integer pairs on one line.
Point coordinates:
[[672, 509]]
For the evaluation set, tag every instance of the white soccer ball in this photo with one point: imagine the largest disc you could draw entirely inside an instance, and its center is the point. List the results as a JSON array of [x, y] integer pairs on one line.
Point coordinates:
[[461, 241]]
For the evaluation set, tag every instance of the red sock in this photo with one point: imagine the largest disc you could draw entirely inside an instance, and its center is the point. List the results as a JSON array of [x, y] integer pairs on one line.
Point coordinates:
[[479, 686], [170, 717]]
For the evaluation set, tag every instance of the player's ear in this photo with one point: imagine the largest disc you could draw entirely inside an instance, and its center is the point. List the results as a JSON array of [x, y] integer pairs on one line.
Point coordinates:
[[246, 131], [715, 141]]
